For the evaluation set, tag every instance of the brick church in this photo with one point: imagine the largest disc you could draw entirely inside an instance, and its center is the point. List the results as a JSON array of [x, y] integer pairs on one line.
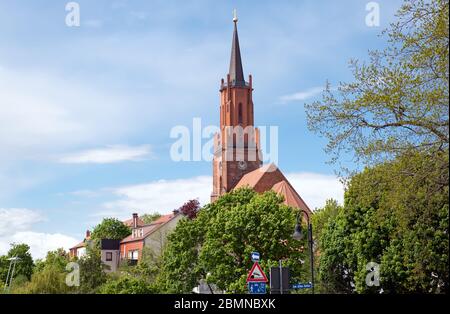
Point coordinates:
[[237, 156]]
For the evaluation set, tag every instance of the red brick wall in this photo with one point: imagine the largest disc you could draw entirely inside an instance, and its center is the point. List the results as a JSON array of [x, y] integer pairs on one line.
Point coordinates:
[[131, 246]]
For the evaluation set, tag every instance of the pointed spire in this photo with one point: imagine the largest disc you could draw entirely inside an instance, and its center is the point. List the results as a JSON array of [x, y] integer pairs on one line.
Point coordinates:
[[236, 72]]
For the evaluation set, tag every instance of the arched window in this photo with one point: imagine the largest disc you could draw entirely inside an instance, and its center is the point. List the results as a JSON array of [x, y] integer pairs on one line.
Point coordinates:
[[240, 114]]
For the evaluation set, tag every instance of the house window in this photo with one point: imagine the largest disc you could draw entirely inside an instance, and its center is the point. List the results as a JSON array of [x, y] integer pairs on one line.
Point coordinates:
[[108, 256], [133, 255]]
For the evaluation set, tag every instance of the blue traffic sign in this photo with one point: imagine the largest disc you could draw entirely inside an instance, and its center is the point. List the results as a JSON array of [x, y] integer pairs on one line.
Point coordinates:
[[255, 257], [256, 287], [302, 285]]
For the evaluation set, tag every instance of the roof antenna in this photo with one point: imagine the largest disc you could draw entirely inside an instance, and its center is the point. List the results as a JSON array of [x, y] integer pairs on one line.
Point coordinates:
[[235, 19]]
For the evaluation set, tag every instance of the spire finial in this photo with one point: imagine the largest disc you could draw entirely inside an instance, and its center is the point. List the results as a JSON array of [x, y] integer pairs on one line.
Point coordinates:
[[235, 19]]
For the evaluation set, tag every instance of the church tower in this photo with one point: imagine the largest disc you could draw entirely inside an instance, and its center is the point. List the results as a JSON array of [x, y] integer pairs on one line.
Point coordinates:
[[236, 147]]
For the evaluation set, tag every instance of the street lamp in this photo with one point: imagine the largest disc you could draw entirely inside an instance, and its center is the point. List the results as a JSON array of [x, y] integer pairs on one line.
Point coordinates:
[[9, 277], [298, 235]]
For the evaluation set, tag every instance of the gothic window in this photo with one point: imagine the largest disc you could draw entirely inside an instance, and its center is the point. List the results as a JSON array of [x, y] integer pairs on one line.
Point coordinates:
[[240, 113]]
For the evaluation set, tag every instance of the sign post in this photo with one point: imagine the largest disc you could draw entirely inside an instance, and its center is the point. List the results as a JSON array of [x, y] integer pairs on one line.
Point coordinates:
[[256, 279]]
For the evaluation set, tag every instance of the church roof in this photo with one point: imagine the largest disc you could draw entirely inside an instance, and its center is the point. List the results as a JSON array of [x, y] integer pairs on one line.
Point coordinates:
[[291, 197], [236, 71], [270, 177]]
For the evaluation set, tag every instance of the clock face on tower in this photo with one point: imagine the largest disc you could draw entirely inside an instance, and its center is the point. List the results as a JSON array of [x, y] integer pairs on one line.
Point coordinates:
[[242, 165]]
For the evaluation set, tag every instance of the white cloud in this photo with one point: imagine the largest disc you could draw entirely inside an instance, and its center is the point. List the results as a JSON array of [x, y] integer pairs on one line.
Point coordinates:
[[110, 154], [40, 243], [17, 219], [14, 228], [165, 195], [41, 113], [303, 95], [316, 188], [162, 196]]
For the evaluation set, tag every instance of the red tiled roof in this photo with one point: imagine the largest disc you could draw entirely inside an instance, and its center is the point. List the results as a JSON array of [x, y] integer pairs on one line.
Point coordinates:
[[270, 177], [291, 197], [129, 222], [150, 228], [252, 178]]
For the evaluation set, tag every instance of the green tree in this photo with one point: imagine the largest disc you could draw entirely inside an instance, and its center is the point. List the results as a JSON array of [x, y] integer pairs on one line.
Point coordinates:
[[59, 258], [321, 220], [48, 276], [126, 285], [49, 280], [395, 219], [92, 274], [149, 218], [110, 228], [217, 244], [24, 266], [398, 100]]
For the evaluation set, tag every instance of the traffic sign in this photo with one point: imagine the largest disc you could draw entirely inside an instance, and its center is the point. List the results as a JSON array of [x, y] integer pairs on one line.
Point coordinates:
[[302, 285], [256, 274], [255, 257], [255, 287]]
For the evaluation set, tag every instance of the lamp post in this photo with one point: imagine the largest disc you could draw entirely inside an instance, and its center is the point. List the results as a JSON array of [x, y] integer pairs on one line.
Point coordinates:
[[298, 235], [9, 277]]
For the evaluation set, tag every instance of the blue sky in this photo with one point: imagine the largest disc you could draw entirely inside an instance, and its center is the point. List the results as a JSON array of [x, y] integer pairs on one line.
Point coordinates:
[[86, 112]]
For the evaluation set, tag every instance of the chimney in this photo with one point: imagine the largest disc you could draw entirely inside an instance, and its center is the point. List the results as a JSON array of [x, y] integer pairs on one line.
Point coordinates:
[[88, 234], [135, 220]]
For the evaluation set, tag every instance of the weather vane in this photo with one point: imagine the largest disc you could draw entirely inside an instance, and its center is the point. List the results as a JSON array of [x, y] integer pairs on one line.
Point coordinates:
[[235, 19]]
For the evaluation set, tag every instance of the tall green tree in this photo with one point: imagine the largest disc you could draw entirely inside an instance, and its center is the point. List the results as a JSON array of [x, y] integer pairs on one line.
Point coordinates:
[[395, 220], [92, 271], [110, 228], [398, 100], [217, 244]]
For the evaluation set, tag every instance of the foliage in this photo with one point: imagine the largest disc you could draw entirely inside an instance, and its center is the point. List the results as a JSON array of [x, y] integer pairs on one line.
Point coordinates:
[[48, 277], [49, 280], [399, 100], [323, 216], [395, 214], [190, 208], [24, 265], [149, 218], [110, 228], [126, 285], [92, 274], [59, 258], [216, 246]]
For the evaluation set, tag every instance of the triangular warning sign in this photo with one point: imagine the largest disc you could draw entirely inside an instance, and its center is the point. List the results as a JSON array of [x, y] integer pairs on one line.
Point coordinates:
[[256, 274]]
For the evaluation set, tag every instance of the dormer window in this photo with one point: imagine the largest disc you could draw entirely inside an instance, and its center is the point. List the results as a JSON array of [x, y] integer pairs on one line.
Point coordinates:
[[137, 233]]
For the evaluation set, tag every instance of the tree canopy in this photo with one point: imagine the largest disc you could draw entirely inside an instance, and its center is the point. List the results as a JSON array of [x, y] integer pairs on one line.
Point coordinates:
[[217, 245], [399, 99], [110, 228], [393, 219]]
